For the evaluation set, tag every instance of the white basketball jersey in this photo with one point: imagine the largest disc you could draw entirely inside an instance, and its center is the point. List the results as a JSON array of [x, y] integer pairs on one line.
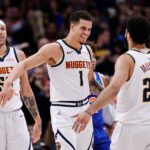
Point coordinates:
[[69, 78], [133, 100], [6, 65]]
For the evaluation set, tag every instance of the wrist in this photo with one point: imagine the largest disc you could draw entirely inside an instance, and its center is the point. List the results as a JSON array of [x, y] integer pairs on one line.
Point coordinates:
[[38, 120], [89, 111]]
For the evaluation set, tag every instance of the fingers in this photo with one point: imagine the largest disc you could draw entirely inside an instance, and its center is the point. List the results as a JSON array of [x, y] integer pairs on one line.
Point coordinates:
[[36, 134], [78, 126], [82, 127], [6, 96], [35, 137], [2, 99], [81, 122]]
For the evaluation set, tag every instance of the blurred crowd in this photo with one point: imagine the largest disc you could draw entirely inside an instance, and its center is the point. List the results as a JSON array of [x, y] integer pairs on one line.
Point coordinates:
[[31, 24]]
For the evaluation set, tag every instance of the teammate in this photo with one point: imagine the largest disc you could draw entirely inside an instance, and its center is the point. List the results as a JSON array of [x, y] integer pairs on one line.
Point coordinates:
[[101, 139], [131, 82], [68, 62], [13, 129]]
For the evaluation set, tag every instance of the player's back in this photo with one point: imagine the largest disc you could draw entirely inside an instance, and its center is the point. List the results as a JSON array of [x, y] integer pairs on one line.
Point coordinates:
[[7, 62], [69, 77], [133, 100]]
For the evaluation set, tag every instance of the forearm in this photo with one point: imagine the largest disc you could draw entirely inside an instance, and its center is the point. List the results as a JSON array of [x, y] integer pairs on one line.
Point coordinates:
[[31, 105], [103, 99]]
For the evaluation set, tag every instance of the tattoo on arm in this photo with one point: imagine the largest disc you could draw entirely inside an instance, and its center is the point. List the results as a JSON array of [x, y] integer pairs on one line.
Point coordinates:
[[95, 88], [31, 105]]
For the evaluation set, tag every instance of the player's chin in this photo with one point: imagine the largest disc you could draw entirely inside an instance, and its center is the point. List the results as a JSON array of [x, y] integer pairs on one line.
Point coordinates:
[[2, 43], [82, 41]]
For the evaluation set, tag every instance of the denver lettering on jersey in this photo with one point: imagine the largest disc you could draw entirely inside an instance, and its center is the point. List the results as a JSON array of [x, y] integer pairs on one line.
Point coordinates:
[[5, 70], [77, 64], [145, 67]]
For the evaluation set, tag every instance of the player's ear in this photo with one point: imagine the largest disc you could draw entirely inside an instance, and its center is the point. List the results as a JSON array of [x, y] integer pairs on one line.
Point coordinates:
[[125, 35], [71, 25]]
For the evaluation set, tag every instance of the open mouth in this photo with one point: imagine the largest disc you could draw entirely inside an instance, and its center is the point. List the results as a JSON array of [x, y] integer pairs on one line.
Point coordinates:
[[83, 37]]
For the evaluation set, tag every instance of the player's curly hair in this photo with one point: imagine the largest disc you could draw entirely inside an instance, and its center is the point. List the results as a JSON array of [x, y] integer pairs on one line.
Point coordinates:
[[138, 28]]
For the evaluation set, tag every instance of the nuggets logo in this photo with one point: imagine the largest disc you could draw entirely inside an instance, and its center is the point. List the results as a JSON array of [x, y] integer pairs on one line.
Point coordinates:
[[77, 64], [58, 146], [145, 67], [5, 70], [92, 99]]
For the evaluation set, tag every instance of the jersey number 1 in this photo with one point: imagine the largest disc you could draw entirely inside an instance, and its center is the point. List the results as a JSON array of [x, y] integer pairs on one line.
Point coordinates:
[[81, 78]]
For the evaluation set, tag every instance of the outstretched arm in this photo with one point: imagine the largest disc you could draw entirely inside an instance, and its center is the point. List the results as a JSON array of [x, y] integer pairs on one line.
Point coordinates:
[[123, 69], [35, 60], [49, 52], [122, 74]]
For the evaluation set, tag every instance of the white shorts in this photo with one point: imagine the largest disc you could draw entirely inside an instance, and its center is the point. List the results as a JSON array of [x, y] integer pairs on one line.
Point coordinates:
[[130, 137], [65, 137], [14, 134]]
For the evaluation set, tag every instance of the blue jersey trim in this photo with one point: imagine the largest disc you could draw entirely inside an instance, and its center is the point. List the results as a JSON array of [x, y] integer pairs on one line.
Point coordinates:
[[98, 78]]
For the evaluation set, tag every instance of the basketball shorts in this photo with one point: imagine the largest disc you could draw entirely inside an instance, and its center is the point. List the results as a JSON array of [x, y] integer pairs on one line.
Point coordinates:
[[14, 134], [65, 137]]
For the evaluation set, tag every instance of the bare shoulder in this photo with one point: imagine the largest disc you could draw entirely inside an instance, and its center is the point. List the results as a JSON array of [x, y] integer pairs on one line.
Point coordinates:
[[52, 52], [125, 58], [124, 66], [52, 47]]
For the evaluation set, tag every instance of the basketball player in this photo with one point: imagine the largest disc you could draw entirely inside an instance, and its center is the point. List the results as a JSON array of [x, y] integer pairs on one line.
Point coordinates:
[[131, 82], [101, 139], [13, 129], [68, 62]]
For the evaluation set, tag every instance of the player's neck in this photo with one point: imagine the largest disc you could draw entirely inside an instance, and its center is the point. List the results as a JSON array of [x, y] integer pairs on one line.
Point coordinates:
[[3, 50], [72, 43], [137, 47]]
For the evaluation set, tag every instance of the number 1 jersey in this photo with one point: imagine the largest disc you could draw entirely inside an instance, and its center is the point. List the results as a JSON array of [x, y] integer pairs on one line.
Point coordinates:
[[69, 77]]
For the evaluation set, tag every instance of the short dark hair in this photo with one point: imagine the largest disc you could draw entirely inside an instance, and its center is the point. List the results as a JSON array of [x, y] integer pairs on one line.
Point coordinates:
[[80, 14], [138, 28]]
